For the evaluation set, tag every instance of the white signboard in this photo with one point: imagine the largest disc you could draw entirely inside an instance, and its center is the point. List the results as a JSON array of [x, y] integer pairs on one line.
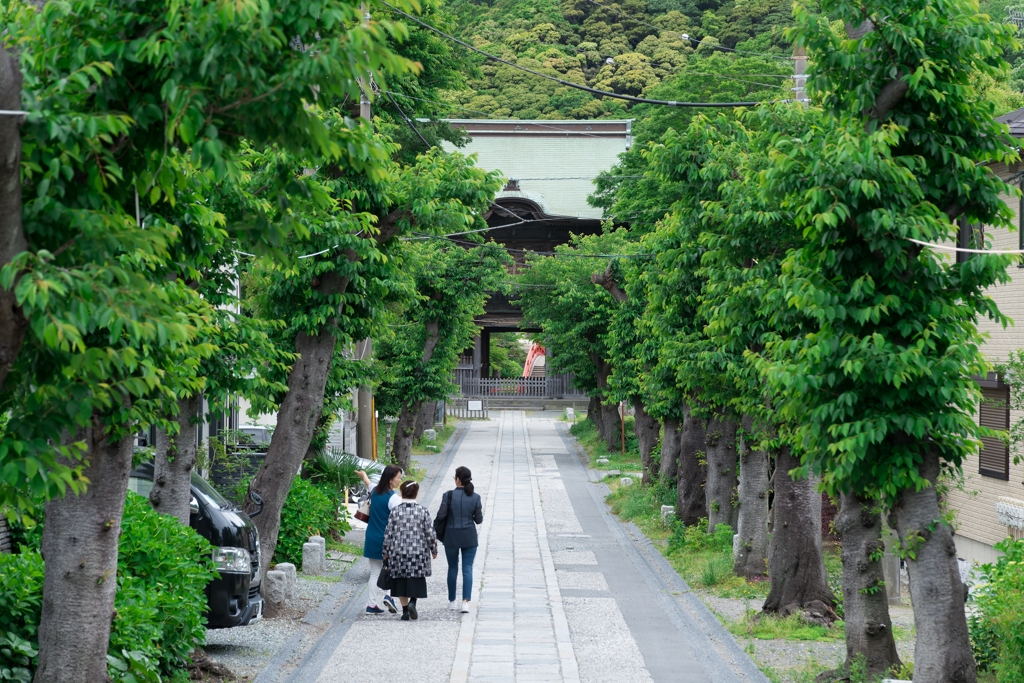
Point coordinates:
[[476, 405]]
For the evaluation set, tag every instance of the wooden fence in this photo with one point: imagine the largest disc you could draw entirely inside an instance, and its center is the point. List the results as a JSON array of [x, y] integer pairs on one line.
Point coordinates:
[[551, 386], [466, 408]]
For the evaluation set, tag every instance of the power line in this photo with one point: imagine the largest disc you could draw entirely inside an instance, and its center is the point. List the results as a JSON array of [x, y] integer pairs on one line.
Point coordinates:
[[686, 37], [570, 84]]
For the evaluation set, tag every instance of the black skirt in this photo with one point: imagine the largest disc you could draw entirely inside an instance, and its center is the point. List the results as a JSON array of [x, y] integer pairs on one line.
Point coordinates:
[[409, 588]]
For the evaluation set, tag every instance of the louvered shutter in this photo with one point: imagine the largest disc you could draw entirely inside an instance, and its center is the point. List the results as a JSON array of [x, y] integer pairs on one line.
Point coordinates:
[[994, 458]]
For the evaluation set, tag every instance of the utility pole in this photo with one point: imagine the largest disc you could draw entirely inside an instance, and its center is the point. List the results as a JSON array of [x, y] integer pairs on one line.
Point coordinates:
[[799, 79], [364, 349]]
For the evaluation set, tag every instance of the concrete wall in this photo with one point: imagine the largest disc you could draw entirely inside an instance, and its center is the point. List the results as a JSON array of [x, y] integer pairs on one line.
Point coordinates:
[[977, 525]]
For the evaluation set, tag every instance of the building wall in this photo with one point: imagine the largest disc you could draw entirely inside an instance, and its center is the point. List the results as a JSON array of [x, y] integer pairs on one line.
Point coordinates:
[[524, 158], [977, 525]]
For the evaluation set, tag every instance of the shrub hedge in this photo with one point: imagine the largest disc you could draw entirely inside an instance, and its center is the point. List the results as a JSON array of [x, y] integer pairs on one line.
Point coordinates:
[[997, 627], [162, 572]]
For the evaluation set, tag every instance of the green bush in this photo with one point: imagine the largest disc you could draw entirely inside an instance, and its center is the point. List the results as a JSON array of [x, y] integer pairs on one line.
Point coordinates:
[[162, 572], [997, 630], [308, 511], [163, 568]]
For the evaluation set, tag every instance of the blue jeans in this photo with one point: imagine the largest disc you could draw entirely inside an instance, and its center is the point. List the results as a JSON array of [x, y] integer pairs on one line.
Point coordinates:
[[468, 555]]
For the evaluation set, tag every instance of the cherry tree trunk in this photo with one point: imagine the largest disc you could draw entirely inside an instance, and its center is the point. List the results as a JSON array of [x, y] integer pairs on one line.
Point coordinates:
[[613, 427], [80, 548], [865, 602], [670, 443], [691, 503], [424, 418], [942, 651], [175, 458], [646, 429], [12, 237], [296, 422], [404, 434], [594, 414], [721, 455], [799, 584], [752, 521]]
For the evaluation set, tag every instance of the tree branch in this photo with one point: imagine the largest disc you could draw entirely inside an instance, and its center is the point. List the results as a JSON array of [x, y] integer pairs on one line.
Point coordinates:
[[388, 225], [606, 280], [888, 98]]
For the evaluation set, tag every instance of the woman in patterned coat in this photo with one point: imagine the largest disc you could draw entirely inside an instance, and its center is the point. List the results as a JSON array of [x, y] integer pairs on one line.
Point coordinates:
[[409, 545]]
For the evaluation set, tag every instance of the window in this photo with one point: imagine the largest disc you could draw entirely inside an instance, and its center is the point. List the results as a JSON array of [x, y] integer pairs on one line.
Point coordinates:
[[994, 458]]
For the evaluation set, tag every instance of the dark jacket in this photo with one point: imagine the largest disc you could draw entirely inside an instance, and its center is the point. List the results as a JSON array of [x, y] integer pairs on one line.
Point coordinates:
[[409, 541], [460, 526]]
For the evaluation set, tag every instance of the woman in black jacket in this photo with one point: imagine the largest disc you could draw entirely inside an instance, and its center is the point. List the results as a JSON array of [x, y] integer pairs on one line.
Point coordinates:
[[460, 533]]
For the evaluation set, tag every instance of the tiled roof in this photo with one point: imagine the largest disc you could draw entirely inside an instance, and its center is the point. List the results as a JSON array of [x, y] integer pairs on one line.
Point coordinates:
[[1015, 120]]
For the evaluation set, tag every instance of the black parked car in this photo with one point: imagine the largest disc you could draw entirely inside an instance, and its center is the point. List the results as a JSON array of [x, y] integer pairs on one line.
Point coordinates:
[[234, 598]]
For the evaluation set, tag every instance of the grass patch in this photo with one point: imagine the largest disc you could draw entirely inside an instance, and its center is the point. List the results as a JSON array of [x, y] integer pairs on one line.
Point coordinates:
[[703, 560], [345, 547], [432, 446], [586, 433], [786, 628]]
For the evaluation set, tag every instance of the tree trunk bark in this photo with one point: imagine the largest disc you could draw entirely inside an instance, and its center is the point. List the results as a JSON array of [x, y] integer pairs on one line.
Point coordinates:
[[613, 427], [404, 428], [799, 584], [865, 602], [12, 236], [752, 522], [296, 422], [80, 548], [669, 452], [720, 441], [594, 414], [646, 429], [691, 502], [424, 418], [172, 466], [943, 651]]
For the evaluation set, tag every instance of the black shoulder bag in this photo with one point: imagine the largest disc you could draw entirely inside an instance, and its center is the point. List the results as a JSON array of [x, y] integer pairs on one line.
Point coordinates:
[[440, 524]]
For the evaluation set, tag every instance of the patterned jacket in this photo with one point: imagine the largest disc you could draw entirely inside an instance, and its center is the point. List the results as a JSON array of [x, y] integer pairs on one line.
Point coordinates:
[[409, 541]]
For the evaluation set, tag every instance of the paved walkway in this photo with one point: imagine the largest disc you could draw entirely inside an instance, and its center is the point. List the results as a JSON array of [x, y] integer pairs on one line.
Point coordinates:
[[563, 591]]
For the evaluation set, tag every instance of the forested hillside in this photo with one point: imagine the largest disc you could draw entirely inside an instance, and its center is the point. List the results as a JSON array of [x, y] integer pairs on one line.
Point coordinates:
[[705, 50], [630, 47]]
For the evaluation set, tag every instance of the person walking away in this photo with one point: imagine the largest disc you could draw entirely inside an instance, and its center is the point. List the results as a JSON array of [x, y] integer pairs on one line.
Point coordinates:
[[382, 501], [461, 511], [409, 545]]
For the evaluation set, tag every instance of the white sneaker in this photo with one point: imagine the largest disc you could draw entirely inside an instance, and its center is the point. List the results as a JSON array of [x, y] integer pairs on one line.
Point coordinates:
[[465, 606], [453, 605]]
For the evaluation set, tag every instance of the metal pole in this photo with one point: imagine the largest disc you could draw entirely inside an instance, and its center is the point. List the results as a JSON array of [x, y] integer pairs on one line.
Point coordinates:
[[365, 437], [622, 415]]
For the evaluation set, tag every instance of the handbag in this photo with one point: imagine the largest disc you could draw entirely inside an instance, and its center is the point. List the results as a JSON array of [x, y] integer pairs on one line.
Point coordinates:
[[384, 580], [363, 511], [440, 524]]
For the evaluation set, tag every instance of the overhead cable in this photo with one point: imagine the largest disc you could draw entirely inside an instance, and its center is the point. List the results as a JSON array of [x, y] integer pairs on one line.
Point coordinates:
[[570, 84], [946, 247]]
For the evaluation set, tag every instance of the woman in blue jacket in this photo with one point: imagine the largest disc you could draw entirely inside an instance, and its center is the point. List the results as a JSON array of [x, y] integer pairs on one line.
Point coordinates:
[[382, 501], [467, 511]]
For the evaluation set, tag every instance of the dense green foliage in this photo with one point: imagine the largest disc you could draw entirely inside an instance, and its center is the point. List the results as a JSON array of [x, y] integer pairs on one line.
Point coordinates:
[[630, 47], [163, 569], [308, 511], [997, 628], [508, 355], [894, 337]]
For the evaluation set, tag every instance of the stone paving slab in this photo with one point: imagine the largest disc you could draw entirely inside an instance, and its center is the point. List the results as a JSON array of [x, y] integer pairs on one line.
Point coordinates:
[[561, 593]]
